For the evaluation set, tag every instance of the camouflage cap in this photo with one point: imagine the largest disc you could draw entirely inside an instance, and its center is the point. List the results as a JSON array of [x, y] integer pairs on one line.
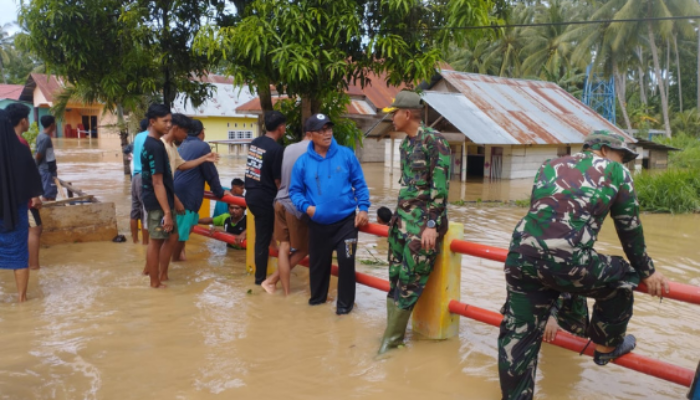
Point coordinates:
[[597, 139], [405, 99]]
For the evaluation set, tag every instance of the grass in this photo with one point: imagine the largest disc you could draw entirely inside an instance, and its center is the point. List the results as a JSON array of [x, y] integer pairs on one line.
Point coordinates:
[[674, 190]]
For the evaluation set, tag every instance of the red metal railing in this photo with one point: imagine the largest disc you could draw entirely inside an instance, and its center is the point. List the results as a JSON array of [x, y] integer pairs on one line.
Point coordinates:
[[646, 365]]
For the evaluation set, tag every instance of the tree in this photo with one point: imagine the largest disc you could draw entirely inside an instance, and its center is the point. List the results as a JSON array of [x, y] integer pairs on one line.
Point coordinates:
[[310, 48], [119, 53], [644, 9]]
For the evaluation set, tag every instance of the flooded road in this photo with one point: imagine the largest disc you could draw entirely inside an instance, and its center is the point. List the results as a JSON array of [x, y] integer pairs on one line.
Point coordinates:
[[92, 329]]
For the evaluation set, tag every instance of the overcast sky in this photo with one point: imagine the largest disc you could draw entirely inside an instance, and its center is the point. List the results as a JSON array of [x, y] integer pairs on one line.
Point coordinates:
[[8, 13]]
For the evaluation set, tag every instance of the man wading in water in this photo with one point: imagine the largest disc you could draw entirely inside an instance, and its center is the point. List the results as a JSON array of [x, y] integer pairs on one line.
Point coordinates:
[[420, 220], [552, 252]]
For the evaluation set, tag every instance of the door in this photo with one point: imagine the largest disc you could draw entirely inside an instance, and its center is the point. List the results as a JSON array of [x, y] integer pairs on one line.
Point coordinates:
[[496, 162]]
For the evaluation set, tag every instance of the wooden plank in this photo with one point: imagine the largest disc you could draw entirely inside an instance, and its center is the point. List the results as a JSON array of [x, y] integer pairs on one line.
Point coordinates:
[[67, 201], [80, 223], [71, 188], [59, 189]]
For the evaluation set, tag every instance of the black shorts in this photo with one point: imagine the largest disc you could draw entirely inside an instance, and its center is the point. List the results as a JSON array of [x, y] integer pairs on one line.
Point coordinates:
[[34, 218]]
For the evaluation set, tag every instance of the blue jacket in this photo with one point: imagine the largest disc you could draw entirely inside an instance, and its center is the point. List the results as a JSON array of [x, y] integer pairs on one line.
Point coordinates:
[[189, 184], [335, 184]]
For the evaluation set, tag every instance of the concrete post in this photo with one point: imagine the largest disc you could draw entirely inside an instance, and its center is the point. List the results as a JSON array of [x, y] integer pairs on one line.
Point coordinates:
[[205, 209], [431, 316]]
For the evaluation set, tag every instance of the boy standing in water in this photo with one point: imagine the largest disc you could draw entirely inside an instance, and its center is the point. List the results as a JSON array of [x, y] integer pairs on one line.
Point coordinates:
[[158, 192]]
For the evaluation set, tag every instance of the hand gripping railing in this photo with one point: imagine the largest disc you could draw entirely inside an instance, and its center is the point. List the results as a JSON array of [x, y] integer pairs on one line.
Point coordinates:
[[646, 365]]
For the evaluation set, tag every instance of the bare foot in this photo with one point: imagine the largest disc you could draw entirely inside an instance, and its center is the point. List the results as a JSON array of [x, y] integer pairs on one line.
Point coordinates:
[[164, 278], [269, 287], [159, 286], [145, 272], [136, 240], [34, 268]]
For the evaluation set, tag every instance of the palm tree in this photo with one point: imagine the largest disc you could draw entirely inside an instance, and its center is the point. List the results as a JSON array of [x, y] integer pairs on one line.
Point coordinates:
[[547, 47], [509, 45], [5, 48], [644, 9], [474, 58]]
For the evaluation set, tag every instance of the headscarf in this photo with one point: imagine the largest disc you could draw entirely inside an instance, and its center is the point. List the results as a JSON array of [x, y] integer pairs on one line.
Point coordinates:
[[19, 176]]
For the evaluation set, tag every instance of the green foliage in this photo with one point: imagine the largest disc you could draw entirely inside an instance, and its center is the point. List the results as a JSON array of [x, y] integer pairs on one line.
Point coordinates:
[[673, 190], [116, 51], [334, 105], [688, 157], [686, 122], [31, 134], [311, 48]]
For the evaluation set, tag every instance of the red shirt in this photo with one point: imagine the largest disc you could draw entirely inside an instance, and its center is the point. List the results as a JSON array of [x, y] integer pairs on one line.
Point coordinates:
[[24, 141]]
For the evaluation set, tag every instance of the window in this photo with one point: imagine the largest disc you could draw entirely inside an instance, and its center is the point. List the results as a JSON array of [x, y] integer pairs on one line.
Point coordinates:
[[240, 135]]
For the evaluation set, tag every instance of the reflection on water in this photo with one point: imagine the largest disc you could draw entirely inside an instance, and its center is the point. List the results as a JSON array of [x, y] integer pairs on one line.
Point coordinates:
[[93, 330]]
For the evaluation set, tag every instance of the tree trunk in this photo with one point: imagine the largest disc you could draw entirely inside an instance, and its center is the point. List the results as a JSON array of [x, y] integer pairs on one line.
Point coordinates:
[[309, 106], [659, 79], [265, 96], [124, 136], [697, 77], [667, 79], [640, 70], [621, 95], [678, 72]]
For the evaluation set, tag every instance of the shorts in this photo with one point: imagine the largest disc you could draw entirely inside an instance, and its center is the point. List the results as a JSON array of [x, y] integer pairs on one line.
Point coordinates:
[[34, 217], [290, 229], [48, 183], [137, 211], [185, 223], [155, 229]]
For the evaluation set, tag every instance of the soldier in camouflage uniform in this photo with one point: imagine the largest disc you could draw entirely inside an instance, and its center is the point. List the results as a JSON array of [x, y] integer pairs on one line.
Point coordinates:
[[551, 252], [420, 220]]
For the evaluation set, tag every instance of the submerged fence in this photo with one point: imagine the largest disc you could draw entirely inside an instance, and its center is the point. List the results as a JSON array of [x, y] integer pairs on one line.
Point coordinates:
[[436, 315]]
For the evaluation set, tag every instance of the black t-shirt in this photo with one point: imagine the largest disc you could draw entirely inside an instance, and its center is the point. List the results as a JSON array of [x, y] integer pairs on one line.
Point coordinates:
[[263, 167], [154, 160], [236, 229]]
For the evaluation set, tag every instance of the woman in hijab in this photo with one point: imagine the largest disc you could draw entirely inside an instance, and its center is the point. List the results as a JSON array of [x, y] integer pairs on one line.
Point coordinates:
[[19, 183]]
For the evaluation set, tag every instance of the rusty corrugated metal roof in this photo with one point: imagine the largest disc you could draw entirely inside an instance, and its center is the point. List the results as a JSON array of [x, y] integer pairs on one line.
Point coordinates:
[[11, 92], [494, 110]]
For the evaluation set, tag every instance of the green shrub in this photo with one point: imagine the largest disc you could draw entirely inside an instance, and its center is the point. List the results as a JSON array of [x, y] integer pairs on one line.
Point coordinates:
[[31, 134], [673, 190], [688, 157]]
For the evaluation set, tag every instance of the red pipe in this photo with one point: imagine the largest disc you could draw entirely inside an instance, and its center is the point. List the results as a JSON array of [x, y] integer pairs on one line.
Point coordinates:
[[678, 291], [646, 365], [218, 235]]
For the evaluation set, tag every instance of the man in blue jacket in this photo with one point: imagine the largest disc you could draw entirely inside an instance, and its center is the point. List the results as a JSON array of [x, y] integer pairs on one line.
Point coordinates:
[[329, 186], [189, 185]]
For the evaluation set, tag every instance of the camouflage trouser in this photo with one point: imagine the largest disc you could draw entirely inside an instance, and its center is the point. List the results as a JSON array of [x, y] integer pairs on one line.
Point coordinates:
[[409, 267], [571, 312], [533, 287]]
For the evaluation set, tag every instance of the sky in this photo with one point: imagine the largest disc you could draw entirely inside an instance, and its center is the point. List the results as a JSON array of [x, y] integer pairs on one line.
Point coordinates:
[[8, 13]]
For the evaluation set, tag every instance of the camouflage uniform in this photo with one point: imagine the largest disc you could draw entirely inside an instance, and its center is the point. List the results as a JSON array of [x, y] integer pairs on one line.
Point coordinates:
[[425, 180], [551, 252]]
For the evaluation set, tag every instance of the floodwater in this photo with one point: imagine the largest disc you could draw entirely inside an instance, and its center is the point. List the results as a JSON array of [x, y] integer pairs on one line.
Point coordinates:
[[92, 328]]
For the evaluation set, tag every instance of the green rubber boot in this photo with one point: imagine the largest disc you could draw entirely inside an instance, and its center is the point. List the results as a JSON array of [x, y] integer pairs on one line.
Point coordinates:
[[397, 321]]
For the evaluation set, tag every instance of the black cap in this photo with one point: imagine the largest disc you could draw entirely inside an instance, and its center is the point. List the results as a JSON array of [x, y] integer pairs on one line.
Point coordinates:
[[316, 122]]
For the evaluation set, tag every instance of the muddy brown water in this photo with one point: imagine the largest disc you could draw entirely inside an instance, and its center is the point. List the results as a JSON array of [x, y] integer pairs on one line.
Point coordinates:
[[92, 328]]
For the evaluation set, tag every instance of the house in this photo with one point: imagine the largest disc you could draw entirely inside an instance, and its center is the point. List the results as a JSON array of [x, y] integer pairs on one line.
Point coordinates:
[[365, 109], [10, 94], [222, 123], [503, 128], [79, 120]]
